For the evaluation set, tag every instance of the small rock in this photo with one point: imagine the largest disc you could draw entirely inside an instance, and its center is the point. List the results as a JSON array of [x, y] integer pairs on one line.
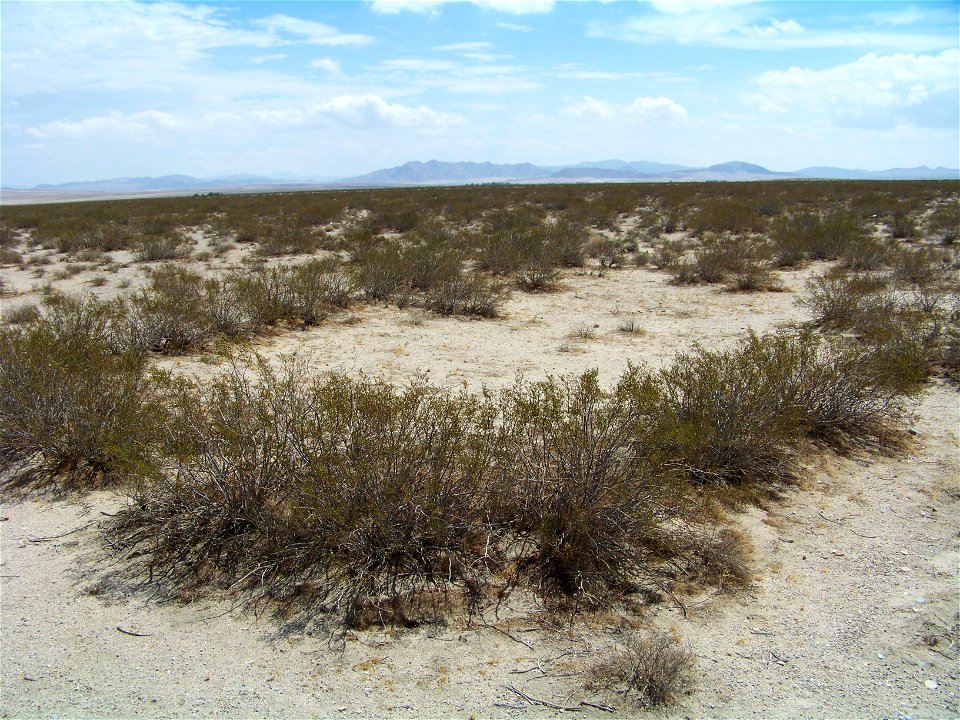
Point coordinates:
[[931, 684]]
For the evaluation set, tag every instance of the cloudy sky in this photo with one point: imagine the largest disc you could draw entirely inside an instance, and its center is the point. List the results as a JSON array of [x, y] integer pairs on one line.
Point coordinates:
[[331, 89]]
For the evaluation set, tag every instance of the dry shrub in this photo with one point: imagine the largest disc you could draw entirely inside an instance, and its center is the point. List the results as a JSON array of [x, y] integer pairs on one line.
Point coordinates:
[[157, 248], [725, 215], [72, 411], [667, 253], [469, 294], [589, 514], [538, 276], [649, 671], [335, 494], [171, 316]]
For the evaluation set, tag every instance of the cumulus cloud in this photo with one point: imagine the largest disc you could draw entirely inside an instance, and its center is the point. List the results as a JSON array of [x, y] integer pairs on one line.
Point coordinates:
[[355, 111], [873, 90], [373, 111], [138, 123], [327, 64], [643, 110]]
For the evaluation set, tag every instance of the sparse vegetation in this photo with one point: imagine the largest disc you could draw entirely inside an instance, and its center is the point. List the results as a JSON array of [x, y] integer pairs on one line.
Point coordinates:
[[648, 670], [376, 504]]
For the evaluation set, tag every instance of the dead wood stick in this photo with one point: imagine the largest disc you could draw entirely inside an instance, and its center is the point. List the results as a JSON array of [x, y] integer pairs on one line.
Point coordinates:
[[598, 706], [840, 520], [132, 633], [543, 703], [509, 635], [48, 538]]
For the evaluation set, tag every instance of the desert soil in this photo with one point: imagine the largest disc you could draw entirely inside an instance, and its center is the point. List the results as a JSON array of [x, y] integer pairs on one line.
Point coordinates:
[[853, 568]]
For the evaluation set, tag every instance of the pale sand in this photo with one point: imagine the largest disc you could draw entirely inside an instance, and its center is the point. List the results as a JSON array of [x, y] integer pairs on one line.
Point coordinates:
[[848, 567]]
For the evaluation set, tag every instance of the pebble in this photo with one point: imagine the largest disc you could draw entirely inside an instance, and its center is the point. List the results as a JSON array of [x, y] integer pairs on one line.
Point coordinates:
[[931, 684]]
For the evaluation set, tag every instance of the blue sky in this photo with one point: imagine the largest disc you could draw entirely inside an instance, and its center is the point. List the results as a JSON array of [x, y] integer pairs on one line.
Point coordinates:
[[332, 89]]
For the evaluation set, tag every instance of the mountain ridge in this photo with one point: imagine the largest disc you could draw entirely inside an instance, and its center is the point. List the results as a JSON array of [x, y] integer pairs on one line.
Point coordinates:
[[437, 172]]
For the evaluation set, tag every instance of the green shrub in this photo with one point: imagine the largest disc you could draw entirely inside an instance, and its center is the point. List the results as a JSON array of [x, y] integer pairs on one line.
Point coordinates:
[[903, 225], [668, 253], [838, 299], [343, 495], [589, 514], [158, 248], [172, 315], [22, 314], [380, 273], [725, 215], [469, 294], [538, 276], [72, 411], [943, 224]]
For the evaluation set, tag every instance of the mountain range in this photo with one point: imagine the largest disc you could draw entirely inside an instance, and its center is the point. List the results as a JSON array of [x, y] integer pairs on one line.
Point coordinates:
[[436, 172]]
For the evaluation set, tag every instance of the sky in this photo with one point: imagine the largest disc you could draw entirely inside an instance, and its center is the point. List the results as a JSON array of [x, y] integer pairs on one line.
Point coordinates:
[[93, 90]]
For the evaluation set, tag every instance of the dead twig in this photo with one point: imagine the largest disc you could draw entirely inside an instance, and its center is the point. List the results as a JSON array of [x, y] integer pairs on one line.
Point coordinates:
[[132, 633], [48, 538], [509, 635], [543, 703], [840, 521], [598, 706]]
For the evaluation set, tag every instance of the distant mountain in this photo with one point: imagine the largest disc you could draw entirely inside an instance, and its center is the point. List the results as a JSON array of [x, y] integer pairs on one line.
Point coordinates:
[[918, 173], [645, 167], [599, 173], [435, 172], [737, 167], [155, 184]]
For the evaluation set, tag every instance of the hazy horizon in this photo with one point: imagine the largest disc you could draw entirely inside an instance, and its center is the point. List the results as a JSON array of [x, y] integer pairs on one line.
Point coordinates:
[[336, 89]]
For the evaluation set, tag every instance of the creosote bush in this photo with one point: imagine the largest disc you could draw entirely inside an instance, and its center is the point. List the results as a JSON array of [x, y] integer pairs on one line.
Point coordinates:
[[350, 494], [72, 411], [589, 513], [649, 670]]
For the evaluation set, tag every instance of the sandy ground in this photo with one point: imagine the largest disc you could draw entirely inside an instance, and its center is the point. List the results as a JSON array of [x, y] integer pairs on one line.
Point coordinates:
[[852, 569]]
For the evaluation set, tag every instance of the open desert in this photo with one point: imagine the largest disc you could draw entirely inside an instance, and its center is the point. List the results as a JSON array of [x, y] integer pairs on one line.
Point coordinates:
[[837, 597]]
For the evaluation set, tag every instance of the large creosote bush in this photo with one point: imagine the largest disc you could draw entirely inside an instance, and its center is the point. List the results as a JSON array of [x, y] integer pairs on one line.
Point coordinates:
[[737, 417], [347, 495], [588, 511], [72, 411]]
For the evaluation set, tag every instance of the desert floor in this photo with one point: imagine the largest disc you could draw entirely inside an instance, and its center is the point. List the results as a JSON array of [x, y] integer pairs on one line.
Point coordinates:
[[853, 568]]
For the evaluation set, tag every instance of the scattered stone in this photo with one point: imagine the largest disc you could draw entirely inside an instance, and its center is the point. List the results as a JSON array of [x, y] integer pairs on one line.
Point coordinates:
[[931, 684]]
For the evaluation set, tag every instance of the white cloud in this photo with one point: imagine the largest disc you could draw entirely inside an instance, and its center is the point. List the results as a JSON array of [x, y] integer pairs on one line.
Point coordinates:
[[873, 90], [262, 59], [327, 64], [642, 110], [464, 46], [735, 25], [418, 65], [373, 111], [311, 32], [70, 47], [681, 7], [138, 123], [355, 111], [511, 7], [514, 27]]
